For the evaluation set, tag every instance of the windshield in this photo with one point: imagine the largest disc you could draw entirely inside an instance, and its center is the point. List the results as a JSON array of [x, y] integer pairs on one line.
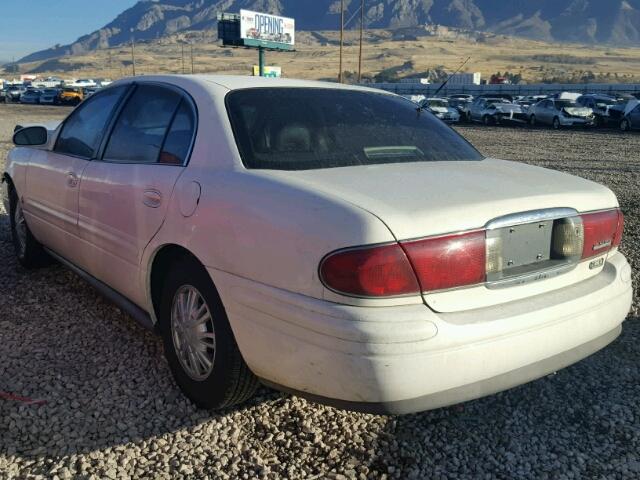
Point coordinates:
[[437, 103], [566, 104], [313, 128], [496, 101]]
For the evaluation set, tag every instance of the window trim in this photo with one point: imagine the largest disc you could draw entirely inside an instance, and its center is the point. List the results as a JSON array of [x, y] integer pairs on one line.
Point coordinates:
[[105, 130], [184, 95]]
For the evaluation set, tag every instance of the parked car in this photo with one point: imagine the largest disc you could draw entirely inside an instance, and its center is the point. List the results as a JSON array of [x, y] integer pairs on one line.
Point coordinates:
[[460, 104], [352, 251], [90, 91], [84, 83], [3, 95], [560, 113], [71, 95], [441, 109], [32, 95], [607, 110], [14, 92], [50, 96], [631, 118], [495, 111]]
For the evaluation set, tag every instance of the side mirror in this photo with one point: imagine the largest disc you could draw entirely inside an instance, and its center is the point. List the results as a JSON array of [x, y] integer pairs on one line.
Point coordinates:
[[31, 137]]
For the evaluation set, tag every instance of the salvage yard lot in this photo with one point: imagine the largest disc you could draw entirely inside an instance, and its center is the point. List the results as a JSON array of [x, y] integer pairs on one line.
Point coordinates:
[[111, 410]]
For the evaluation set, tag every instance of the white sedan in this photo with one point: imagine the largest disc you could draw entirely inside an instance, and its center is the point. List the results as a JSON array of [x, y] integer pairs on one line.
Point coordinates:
[[326, 240]]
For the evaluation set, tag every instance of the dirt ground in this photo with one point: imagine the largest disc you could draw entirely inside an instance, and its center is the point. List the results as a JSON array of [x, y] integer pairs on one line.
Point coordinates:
[[109, 408]]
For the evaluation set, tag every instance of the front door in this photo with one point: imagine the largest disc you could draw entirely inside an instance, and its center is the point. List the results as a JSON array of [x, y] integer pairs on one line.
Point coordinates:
[[53, 177], [124, 196]]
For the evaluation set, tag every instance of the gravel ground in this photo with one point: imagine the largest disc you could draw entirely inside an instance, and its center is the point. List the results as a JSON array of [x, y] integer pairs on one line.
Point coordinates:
[[111, 410]]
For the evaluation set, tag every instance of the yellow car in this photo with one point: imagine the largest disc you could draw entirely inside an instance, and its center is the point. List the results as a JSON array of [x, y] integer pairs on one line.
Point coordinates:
[[71, 95]]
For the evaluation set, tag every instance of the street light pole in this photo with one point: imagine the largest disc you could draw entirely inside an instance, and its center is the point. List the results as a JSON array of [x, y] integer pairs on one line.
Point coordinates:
[[340, 74]]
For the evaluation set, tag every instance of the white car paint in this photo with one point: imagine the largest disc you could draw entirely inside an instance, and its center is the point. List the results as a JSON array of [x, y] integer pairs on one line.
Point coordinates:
[[262, 234]]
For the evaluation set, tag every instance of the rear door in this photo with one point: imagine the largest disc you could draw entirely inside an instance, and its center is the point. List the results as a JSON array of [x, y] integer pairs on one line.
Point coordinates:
[[124, 195], [634, 117], [53, 177]]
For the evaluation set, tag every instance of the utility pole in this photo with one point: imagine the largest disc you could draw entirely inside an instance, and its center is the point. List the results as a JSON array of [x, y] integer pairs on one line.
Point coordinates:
[[361, 41], [340, 74], [133, 53], [192, 69], [261, 61], [182, 45]]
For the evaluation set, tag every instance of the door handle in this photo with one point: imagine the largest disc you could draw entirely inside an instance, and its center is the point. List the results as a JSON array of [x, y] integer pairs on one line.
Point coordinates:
[[152, 198], [72, 180]]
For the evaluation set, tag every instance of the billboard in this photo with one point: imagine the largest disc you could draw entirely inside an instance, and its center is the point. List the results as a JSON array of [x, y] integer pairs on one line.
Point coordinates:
[[267, 28], [272, 72]]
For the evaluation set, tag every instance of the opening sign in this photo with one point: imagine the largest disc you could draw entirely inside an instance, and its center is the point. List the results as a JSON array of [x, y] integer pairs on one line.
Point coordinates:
[[268, 28]]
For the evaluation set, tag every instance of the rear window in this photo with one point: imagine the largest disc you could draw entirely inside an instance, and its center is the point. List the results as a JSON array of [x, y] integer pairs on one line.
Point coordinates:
[[315, 128]]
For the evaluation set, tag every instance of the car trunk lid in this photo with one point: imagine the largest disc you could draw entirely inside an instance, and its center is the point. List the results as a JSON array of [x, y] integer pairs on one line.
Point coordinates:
[[418, 200]]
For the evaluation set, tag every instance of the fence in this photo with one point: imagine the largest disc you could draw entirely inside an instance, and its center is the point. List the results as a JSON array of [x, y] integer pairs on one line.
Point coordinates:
[[532, 89]]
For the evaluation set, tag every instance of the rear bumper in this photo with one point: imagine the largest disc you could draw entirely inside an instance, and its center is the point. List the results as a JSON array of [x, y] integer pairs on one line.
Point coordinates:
[[409, 358]]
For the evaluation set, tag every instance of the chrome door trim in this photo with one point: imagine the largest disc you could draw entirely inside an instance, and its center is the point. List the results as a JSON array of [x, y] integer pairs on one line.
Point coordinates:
[[531, 216]]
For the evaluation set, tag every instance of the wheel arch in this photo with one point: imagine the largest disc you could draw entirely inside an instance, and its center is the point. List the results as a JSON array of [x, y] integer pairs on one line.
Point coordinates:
[[6, 178], [159, 264]]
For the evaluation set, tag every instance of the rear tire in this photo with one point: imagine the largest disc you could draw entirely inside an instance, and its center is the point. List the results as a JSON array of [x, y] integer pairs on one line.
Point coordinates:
[[624, 125], [203, 355], [487, 120], [29, 251], [556, 123]]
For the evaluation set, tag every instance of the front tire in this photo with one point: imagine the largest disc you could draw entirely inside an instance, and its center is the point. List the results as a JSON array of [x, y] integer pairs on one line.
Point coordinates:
[[198, 341], [29, 251], [532, 121], [556, 123]]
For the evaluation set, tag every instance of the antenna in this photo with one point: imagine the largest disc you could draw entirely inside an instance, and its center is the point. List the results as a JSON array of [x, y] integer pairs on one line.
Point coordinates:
[[450, 76]]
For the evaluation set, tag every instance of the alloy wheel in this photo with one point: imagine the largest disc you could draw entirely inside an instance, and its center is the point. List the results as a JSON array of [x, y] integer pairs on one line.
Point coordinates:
[[193, 333]]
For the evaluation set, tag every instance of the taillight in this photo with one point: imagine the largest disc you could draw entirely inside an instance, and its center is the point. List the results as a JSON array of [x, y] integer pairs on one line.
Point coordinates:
[[620, 230], [460, 260], [601, 231], [449, 261], [380, 271]]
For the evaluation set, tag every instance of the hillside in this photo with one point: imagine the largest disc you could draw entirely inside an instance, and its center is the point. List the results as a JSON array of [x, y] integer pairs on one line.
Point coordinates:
[[392, 55], [615, 22]]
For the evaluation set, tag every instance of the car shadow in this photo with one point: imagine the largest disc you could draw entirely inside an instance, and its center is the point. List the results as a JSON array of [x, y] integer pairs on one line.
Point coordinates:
[[582, 419]]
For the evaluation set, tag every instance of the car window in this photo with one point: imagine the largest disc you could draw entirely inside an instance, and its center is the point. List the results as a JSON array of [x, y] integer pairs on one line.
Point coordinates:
[[313, 128], [83, 130], [176, 146], [142, 125]]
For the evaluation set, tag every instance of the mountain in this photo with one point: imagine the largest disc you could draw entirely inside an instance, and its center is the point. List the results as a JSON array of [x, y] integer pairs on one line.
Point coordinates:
[[584, 21]]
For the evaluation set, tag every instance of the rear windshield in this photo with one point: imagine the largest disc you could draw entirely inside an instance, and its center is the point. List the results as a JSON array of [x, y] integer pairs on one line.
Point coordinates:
[[314, 128]]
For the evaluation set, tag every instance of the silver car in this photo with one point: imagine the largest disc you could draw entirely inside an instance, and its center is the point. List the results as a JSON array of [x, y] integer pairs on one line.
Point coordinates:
[[495, 111], [560, 113]]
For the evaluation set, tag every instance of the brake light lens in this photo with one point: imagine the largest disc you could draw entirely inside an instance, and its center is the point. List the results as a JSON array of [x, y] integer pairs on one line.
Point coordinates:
[[381, 271], [449, 261], [620, 230], [601, 232], [457, 260]]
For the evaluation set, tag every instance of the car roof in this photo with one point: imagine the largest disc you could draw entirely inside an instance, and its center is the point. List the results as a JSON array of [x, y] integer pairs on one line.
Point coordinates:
[[237, 82]]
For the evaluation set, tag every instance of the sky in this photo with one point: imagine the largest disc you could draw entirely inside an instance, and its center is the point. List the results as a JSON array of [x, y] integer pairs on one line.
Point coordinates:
[[30, 25]]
